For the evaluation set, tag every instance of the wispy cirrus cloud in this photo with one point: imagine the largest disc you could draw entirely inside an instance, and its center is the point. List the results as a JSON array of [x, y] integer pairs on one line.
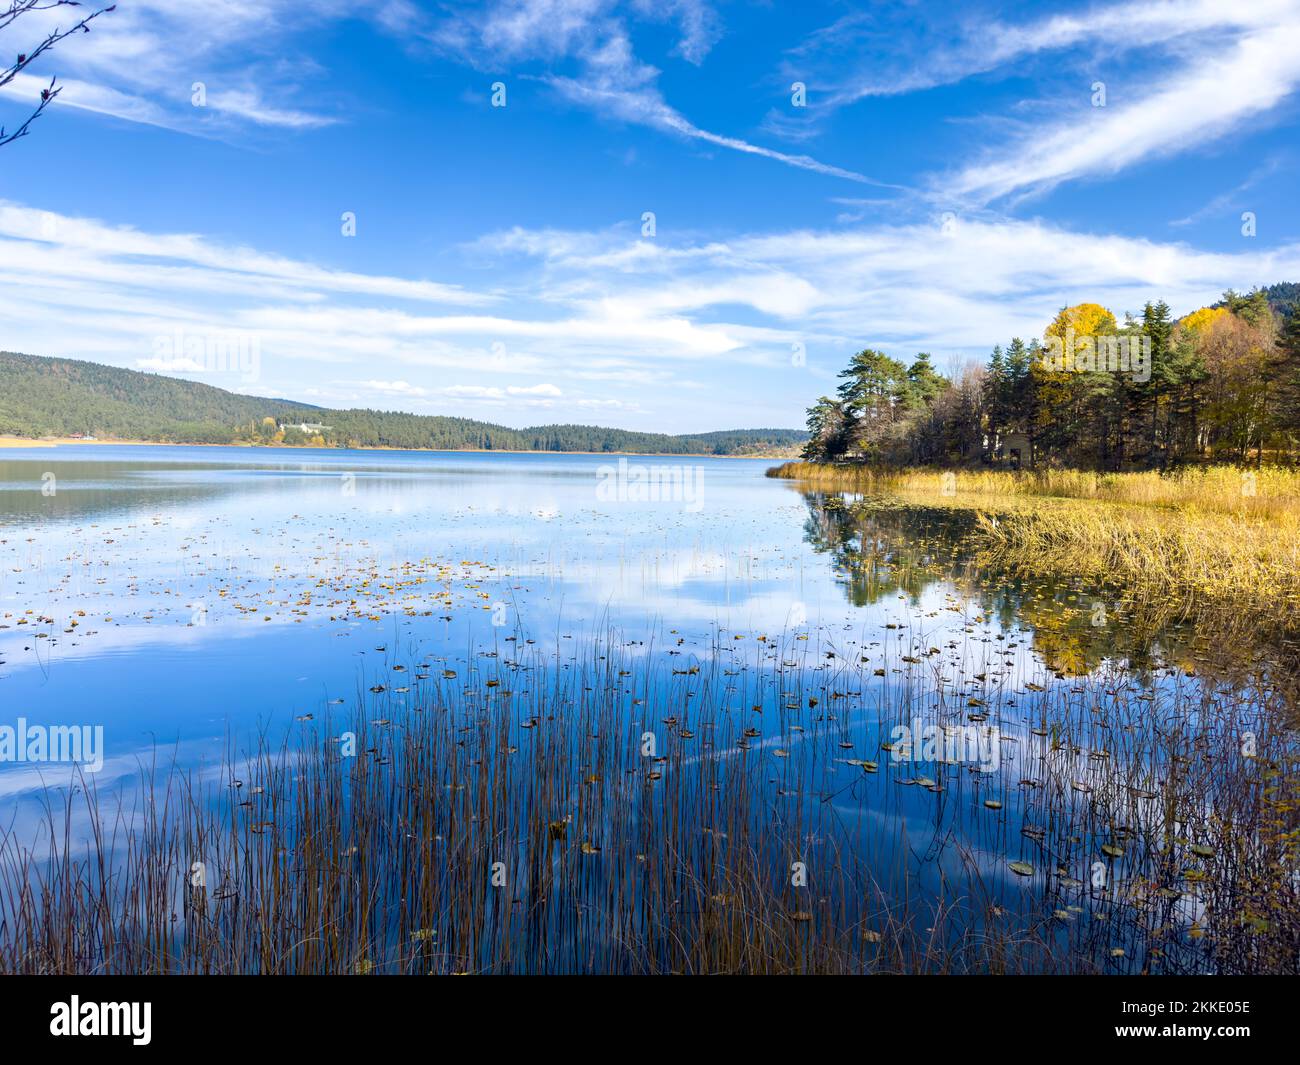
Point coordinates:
[[1207, 99], [610, 80], [1183, 74], [1231, 199], [141, 62], [954, 50]]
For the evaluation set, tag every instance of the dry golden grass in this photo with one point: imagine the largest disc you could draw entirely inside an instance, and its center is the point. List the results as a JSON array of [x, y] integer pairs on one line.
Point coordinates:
[[1222, 537]]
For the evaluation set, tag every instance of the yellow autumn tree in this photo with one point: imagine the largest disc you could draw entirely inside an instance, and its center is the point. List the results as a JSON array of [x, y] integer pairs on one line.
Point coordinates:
[[1086, 319], [1202, 320], [1056, 388]]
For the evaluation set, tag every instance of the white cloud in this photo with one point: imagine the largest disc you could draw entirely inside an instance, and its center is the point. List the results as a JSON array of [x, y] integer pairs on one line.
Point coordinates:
[[579, 323], [1180, 75], [87, 249], [613, 82], [535, 390], [644, 106], [986, 46], [1210, 98], [517, 395], [701, 27], [396, 388], [250, 105], [85, 96], [140, 62]]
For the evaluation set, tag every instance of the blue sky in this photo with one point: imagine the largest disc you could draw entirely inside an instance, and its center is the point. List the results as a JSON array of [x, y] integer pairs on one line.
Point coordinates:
[[950, 182]]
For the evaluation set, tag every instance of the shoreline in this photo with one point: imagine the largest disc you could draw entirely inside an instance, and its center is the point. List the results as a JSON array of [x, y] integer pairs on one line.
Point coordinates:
[[18, 442]]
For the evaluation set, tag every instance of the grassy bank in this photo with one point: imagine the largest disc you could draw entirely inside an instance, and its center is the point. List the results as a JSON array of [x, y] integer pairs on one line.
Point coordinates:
[[1221, 538]]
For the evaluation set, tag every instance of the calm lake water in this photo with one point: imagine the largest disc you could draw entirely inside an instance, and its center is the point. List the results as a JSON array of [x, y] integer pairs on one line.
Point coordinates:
[[189, 600], [216, 590]]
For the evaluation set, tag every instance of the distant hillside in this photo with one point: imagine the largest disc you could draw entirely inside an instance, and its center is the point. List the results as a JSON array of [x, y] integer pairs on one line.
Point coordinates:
[[1283, 297], [59, 397], [65, 397]]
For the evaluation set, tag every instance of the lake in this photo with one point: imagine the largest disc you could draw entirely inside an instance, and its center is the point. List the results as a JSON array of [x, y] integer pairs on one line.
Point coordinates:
[[931, 750]]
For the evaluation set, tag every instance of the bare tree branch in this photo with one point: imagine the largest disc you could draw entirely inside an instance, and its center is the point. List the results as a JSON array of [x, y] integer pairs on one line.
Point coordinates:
[[10, 15]]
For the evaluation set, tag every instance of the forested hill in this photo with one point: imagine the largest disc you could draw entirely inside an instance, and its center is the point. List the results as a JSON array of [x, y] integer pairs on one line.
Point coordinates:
[[59, 397], [42, 397]]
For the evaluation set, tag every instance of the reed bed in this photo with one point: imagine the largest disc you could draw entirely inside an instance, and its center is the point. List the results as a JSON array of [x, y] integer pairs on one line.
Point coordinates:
[[1222, 540], [627, 812], [1267, 492]]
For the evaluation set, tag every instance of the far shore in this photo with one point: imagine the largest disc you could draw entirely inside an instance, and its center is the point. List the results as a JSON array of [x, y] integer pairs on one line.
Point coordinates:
[[64, 441]]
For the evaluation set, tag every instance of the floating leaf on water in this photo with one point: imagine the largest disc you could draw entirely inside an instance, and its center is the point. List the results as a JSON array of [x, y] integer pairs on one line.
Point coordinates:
[[1112, 851], [589, 848], [1021, 868], [993, 804]]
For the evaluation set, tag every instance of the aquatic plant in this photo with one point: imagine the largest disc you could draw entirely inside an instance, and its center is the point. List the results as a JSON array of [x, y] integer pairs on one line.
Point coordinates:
[[631, 811]]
